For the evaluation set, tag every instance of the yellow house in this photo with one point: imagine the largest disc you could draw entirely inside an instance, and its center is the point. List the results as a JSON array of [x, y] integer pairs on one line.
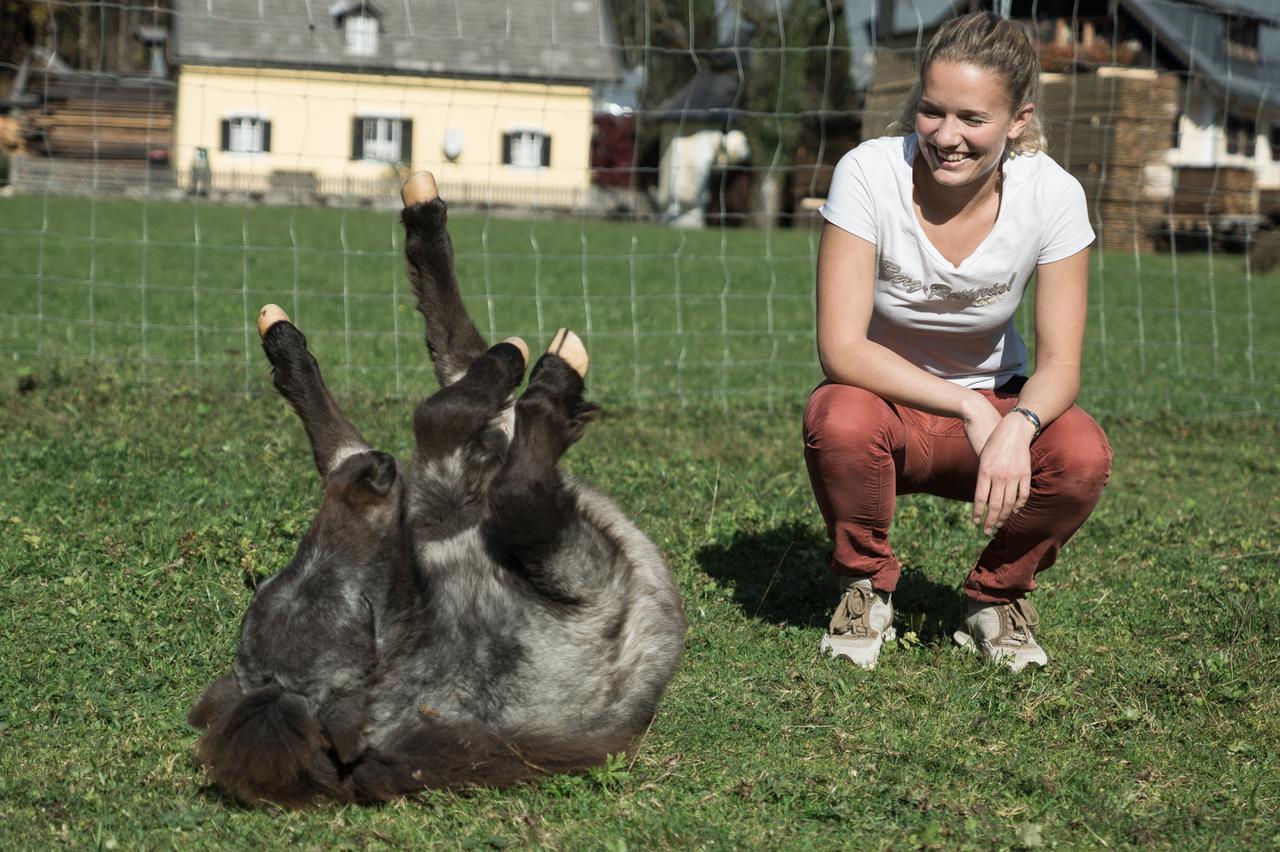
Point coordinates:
[[344, 98]]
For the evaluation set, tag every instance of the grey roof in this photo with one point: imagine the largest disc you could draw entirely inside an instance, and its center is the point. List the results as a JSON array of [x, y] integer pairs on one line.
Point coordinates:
[[560, 40], [1197, 36], [708, 96], [1194, 32]]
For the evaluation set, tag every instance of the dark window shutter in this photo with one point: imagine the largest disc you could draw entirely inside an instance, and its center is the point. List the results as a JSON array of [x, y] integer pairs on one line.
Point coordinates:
[[406, 141], [546, 151], [226, 134], [266, 136], [357, 139], [506, 149]]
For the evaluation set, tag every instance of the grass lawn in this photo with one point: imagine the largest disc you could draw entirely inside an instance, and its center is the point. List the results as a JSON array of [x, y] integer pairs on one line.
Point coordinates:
[[170, 291], [141, 491]]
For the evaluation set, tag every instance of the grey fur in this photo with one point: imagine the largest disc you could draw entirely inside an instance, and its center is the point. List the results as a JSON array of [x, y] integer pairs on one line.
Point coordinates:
[[471, 616]]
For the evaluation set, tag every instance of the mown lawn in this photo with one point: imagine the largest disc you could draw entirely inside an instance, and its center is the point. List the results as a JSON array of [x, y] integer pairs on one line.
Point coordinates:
[[138, 499]]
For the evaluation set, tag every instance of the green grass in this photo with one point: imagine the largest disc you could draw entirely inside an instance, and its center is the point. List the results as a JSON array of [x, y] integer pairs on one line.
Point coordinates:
[[133, 512], [131, 518], [171, 291]]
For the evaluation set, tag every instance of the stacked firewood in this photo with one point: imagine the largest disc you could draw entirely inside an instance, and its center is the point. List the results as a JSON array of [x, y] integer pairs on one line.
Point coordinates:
[[98, 117], [1106, 127]]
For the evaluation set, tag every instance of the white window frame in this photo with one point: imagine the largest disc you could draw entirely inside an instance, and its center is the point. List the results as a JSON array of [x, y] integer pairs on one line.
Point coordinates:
[[246, 132], [361, 34], [526, 147], [383, 136]]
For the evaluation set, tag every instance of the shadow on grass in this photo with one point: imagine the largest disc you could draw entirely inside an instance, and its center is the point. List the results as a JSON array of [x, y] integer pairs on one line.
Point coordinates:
[[780, 576]]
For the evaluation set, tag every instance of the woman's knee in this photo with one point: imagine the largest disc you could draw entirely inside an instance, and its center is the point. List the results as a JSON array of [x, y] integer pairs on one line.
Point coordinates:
[[1076, 454], [842, 416]]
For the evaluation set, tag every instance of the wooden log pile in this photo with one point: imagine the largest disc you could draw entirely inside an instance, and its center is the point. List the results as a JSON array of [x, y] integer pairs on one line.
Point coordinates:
[[1106, 127], [1205, 193], [95, 117]]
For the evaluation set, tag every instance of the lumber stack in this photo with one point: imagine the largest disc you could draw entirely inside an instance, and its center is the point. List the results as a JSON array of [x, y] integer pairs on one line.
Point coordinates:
[[1205, 193], [1269, 203], [1106, 127], [100, 118]]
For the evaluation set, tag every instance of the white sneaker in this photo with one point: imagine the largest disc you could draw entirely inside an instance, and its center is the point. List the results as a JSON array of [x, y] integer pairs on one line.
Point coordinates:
[[1001, 633], [862, 623]]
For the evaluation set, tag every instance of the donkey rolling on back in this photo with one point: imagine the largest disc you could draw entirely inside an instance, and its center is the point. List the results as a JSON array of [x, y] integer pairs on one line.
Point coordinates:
[[469, 617]]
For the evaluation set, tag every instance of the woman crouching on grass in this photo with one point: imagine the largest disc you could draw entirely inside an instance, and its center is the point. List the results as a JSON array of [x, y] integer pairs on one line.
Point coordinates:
[[928, 244]]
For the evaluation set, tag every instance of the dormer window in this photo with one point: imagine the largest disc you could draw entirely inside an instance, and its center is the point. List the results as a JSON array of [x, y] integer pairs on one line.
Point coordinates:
[[362, 35], [361, 22]]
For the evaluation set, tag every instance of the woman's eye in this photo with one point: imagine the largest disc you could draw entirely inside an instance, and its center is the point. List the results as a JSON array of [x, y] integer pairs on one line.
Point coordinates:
[[973, 122]]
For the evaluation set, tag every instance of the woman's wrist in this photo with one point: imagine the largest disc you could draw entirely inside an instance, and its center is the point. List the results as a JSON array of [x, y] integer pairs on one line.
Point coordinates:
[[1025, 421], [973, 405]]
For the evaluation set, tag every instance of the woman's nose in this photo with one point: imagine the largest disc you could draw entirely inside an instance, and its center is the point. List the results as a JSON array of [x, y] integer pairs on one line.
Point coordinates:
[[948, 132]]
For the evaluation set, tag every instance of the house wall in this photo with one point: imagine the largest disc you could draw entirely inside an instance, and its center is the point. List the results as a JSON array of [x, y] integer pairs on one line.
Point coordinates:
[[311, 115]]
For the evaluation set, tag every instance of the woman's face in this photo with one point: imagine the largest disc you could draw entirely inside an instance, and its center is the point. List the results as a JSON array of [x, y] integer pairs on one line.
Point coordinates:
[[964, 122]]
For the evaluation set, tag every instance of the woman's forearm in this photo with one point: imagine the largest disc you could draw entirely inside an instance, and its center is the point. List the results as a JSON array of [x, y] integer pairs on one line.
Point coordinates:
[[870, 366], [1051, 390]]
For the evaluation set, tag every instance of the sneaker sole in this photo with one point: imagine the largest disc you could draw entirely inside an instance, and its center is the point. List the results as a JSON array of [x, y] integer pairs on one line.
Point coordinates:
[[864, 655], [1014, 663]]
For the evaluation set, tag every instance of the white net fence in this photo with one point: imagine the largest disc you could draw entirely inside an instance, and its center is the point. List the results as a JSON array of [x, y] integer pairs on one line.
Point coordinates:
[[645, 173]]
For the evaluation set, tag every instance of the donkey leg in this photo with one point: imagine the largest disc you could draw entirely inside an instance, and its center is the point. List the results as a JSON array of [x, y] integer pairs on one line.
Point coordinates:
[[530, 506], [452, 338], [461, 439], [296, 376]]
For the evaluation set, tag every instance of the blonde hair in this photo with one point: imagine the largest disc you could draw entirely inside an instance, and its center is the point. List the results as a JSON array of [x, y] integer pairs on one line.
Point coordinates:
[[987, 41]]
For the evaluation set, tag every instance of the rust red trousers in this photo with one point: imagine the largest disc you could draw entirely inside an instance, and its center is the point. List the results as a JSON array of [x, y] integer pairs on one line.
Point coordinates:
[[862, 451]]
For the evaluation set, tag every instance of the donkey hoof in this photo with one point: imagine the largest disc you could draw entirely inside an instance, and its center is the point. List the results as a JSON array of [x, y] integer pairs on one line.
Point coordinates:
[[521, 345], [569, 347], [418, 189], [269, 316]]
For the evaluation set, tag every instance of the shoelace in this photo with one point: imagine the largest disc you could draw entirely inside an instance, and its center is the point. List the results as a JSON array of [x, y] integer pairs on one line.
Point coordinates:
[[1022, 617], [850, 617]]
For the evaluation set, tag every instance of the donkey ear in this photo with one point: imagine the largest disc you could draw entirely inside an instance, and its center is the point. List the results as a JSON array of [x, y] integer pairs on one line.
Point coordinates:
[[378, 473]]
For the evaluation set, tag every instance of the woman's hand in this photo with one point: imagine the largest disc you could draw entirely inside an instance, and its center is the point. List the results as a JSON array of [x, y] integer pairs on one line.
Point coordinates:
[[1004, 471]]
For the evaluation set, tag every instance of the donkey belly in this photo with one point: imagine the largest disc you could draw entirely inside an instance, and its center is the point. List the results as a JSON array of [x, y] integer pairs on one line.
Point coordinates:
[[491, 650]]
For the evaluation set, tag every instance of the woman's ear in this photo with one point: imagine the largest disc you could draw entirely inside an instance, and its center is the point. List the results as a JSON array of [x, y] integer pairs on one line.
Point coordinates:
[[1021, 119]]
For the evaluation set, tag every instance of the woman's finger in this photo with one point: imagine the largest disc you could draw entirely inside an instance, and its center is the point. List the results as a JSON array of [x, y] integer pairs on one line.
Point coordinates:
[[980, 494], [1010, 503], [996, 504], [1024, 492]]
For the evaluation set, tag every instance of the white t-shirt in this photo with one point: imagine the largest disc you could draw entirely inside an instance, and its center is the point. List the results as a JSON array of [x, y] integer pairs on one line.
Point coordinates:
[[956, 322]]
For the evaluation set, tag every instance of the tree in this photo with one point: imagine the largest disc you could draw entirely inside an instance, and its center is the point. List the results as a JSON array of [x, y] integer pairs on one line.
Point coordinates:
[[791, 55], [90, 35]]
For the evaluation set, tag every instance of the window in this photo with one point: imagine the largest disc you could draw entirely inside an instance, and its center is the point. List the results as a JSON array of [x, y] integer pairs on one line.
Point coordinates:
[[1275, 143], [362, 34], [246, 134], [1242, 39], [1242, 136], [384, 138], [526, 149]]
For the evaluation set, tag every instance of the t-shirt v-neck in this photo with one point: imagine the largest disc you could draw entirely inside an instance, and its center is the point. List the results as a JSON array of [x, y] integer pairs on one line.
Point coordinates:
[[928, 243]]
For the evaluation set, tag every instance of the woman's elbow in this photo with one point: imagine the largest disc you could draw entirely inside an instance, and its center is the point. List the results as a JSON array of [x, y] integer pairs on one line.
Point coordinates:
[[839, 358]]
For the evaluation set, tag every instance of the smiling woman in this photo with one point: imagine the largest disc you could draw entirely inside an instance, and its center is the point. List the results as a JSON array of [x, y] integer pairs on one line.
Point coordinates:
[[930, 240]]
